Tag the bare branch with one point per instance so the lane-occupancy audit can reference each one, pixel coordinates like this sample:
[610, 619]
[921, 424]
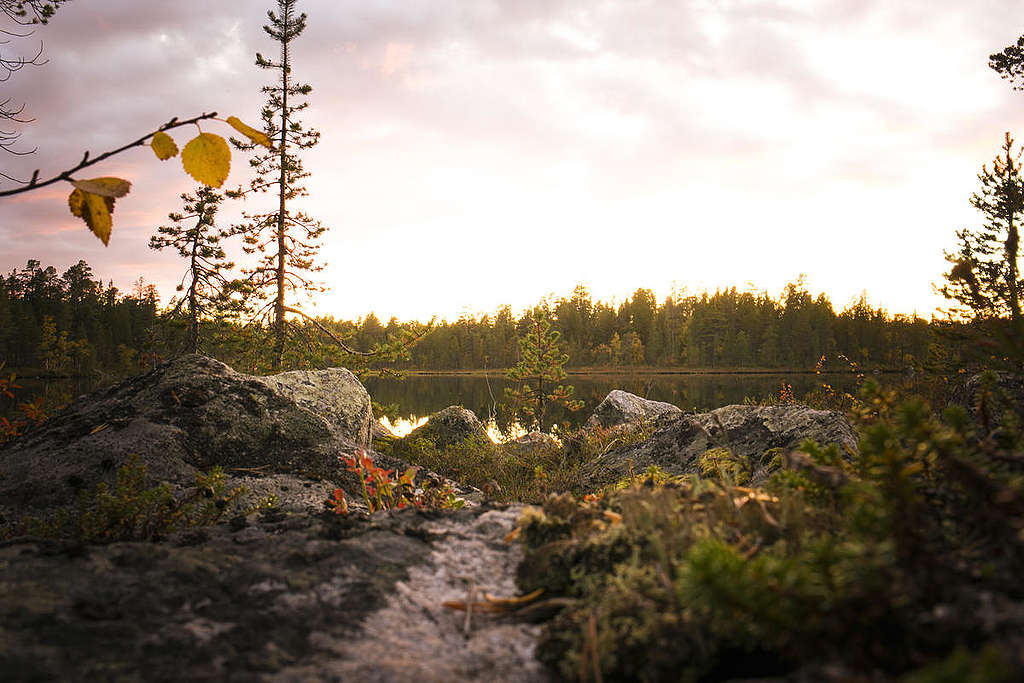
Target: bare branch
[86, 161]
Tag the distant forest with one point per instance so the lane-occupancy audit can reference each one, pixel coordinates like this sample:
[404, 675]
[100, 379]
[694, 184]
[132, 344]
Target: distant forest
[72, 323]
[726, 329]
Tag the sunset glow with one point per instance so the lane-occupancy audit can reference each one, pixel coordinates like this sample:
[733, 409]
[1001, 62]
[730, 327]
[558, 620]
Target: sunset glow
[475, 154]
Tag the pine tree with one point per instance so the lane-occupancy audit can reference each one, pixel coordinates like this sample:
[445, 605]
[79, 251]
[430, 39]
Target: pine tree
[207, 292]
[985, 278]
[540, 368]
[285, 239]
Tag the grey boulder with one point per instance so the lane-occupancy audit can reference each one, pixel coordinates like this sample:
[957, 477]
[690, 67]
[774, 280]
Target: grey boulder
[279, 435]
[449, 427]
[623, 408]
[296, 598]
[748, 431]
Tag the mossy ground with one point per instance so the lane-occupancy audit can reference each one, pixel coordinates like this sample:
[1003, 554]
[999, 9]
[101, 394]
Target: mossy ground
[519, 475]
[902, 563]
[132, 510]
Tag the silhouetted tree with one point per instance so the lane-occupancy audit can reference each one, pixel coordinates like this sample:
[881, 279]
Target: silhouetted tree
[284, 239]
[538, 372]
[985, 278]
[207, 292]
[1010, 63]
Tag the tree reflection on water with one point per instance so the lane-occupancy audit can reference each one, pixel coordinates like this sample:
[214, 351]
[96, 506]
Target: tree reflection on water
[418, 396]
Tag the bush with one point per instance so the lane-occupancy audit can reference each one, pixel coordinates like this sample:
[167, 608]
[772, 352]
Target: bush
[131, 511]
[916, 542]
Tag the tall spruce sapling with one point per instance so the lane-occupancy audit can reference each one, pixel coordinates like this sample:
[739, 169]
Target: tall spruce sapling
[285, 240]
[207, 291]
[538, 373]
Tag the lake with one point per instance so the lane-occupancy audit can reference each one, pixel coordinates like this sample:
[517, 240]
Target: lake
[417, 396]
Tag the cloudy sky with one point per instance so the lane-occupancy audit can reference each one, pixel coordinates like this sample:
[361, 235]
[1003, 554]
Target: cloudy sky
[481, 152]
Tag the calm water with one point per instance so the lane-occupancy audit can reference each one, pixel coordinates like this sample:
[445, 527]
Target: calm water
[418, 396]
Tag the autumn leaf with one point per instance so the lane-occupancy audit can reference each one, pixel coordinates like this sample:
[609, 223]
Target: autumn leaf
[251, 133]
[104, 187]
[514, 601]
[95, 210]
[207, 159]
[478, 607]
[163, 146]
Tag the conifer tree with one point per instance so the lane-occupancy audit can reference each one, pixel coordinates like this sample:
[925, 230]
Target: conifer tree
[207, 292]
[538, 372]
[985, 278]
[285, 240]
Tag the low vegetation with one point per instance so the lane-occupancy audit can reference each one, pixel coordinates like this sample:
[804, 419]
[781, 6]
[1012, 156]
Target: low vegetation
[507, 473]
[902, 561]
[384, 489]
[131, 510]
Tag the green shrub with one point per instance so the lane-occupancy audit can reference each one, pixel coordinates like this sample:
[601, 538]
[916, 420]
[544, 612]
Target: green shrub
[888, 563]
[503, 475]
[133, 511]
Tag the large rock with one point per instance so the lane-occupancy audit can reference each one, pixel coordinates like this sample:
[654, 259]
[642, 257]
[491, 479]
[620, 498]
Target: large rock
[334, 394]
[279, 435]
[1004, 391]
[748, 431]
[299, 598]
[449, 427]
[623, 408]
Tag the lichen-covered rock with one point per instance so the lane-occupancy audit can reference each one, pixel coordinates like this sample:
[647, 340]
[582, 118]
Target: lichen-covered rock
[748, 431]
[284, 598]
[189, 415]
[623, 408]
[449, 427]
[334, 394]
[1002, 391]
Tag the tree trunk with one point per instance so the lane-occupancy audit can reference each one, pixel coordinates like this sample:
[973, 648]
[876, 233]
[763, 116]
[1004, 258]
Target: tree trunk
[279, 309]
[1012, 247]
[193, 304]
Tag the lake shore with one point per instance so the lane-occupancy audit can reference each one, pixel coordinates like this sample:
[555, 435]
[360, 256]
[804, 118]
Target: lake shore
[627, 371]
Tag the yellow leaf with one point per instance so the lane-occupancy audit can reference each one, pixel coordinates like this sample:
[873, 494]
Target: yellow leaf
[163, 146]
[513, 535]
[95, 210]
[207, 159]
[104, 187]
[251, 133]
[513, 602]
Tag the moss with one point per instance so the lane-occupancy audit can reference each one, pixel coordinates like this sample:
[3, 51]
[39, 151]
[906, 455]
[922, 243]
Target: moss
[131, 510]
[722, 463]
[963, 666]
[502, 475]
[916, 541]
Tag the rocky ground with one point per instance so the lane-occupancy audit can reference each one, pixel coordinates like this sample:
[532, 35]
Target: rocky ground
[294, 592]
[284, 598]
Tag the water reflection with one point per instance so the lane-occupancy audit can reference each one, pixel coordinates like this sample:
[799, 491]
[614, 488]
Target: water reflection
[401, 426]
[418, 396]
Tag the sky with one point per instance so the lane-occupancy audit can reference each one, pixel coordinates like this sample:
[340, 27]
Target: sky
[476, 153]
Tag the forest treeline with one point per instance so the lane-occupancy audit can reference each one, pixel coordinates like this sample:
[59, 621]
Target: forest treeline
[724, 329]
[71, 323]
